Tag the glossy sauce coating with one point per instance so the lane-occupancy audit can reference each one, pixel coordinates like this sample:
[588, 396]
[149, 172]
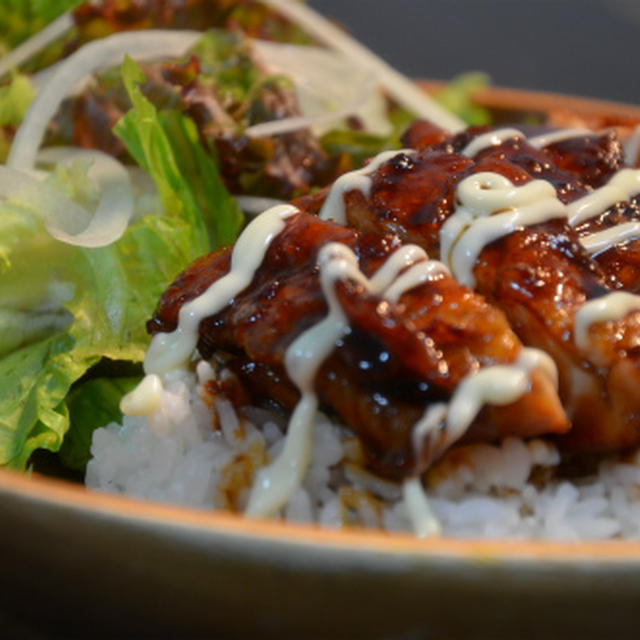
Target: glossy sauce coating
[396, 359]
[539, 275]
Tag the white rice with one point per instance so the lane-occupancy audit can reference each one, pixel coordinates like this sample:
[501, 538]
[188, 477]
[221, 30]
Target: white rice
[197, 451]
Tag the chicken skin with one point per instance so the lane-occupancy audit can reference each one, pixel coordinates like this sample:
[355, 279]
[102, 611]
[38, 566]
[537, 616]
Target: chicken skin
[541, 274]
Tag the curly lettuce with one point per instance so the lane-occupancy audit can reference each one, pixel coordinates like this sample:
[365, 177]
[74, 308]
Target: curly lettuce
[64, 309]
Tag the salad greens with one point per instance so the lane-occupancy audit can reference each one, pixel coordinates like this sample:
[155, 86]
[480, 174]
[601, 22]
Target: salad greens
[226, 64]
[166, 146]
[115, 289]
[361, 145]
[457, 97]
[15, 99]
[107, 294]
[93, 402]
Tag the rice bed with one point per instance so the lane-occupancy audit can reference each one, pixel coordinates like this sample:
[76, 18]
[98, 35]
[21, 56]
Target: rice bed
[196, 450]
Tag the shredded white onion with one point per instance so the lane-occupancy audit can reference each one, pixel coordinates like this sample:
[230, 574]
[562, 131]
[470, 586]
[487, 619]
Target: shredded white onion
[286, 125]
[398, 86]
[116, 205]
[329, 87]
[92, 57]
[36, 43]
[65, 219]
[28, 191]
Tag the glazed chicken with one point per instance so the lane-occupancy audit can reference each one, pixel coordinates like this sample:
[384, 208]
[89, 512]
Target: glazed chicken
[539, 273]
[401, 354]
[575, 167]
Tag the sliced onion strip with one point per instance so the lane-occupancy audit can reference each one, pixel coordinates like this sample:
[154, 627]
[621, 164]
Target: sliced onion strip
[65, 219]
[295, 123]
[329, 87]
[36, 43]
[116, 205]
[632, 147]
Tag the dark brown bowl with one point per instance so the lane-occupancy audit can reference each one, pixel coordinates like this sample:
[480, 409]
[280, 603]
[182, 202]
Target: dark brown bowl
[111, 566]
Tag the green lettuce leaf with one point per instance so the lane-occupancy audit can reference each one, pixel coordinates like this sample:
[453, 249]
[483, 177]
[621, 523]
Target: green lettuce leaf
[361, 145]
[226, 64]
[92, 404]
[457, 96]
[107, 293]
[34, 381]
[65, 310]
[15, 99]
[32, 291]
[166, 145]
[220, 212]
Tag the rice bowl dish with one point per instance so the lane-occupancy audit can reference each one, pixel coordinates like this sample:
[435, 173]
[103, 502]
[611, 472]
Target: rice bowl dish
[529, 538]
[526, 461]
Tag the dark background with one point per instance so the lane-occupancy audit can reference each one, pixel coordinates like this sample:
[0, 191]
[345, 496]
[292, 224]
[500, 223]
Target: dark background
[581, 47]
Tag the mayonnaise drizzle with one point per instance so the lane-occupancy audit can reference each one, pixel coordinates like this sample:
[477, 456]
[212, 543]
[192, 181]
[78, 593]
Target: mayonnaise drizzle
[172, 350]
[612, 306]
[490, 139]
[552, 137]
[497, 385]
[490, 207]
[442, 424]
[434, 418]
[499, 136]
[600, 241]
[333, 207]
[424, 523]
[405, 269]
[144, 399]
[414, 276]
[624, 184]
[275, 483]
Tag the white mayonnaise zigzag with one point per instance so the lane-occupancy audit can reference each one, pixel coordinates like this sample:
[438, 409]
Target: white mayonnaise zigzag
[622, 186]
[170, 351]
[406, 269]
[490, 206]
[333, 207]
[465, 234]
